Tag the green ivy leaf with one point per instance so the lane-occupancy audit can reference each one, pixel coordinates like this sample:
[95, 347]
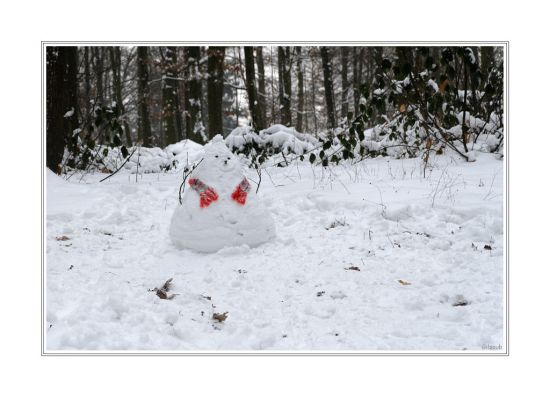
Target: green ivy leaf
[346, 154]
[312, 158]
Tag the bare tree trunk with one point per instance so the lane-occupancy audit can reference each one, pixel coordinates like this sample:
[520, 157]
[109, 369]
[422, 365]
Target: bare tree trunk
[474, 79]
[261, 84]
[329, 93]
[378, 57]
[215, 90]
[405, 61]
[87, 84]
[487, 59]
[193, 119]
[98, 70]
[115, 57]
[300, 75]
[313, 92]
[273, 112]
[358, 55]
[285, 85]
[144, 123]
[464, 107]
[355, 80]
[344, 57]
[436, 54]
[170, 97]
[253, 105]
[61, 102]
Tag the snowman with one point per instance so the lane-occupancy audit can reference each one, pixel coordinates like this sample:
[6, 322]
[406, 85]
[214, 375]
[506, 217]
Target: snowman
[218, 208]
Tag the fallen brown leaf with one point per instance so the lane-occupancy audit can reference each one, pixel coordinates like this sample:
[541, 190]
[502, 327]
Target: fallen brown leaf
[429, 143]
[163, 295]
[403, 282]
[162, 292]
[62, 238]
[220, 317]
[352, 268]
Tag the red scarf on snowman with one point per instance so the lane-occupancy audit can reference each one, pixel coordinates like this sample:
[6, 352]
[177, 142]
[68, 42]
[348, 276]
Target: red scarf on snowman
[209, 195]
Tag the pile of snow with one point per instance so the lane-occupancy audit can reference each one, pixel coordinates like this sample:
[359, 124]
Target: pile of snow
[219, 207]
[185, 152]
[278, 137]
[240, 136]
[478, 124]
[155, 159]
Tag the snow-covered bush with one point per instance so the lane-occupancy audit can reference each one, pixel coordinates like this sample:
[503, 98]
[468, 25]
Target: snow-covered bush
[274, 139]
[416, 115]
[143, 159]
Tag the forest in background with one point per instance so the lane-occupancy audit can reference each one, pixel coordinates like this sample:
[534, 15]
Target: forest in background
[421, 98]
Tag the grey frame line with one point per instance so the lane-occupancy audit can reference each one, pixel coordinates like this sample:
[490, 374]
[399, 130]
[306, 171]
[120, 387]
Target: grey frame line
[506, 353]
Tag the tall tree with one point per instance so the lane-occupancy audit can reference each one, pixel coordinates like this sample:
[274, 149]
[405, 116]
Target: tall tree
[285, 85]
[261, 84]
[250, 82]
[405, 61]
[193, 103]
[115, 58]
[358, 57]
[329, 91]
[171, 117]
[87, 83]
[313, 94]
[216, 57]
[272, 86]
[487, 59]
[344, 53]
[61, 102]
[98, 71]
[144, 123]
[300, 76]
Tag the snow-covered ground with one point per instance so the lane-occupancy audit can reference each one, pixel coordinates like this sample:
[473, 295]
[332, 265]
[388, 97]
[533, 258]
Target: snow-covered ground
[367, 257]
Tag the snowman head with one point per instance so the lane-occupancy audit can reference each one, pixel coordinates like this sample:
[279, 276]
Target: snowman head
[218, 158]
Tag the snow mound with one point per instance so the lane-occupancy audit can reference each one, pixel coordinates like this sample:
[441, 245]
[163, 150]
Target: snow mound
[155, 159]
[277, 137]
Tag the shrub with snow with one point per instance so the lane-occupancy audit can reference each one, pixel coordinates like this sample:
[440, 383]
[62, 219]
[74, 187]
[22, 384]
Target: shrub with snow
[275, 139]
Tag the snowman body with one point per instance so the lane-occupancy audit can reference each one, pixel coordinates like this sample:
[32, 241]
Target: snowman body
[219, 207]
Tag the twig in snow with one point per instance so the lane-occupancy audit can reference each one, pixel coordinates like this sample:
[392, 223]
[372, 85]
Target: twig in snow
[119, 168]
[186, 173]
